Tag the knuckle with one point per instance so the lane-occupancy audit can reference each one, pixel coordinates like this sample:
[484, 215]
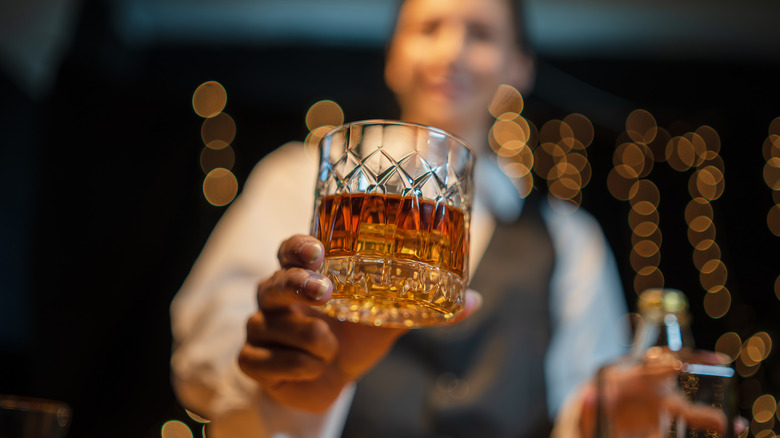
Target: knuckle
[314, 331]
[283, 247]
[255, 326]
[246, 361]
[302, 365]
[295, 278]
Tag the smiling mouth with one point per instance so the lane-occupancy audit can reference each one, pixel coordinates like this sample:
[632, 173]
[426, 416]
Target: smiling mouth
[448, 89]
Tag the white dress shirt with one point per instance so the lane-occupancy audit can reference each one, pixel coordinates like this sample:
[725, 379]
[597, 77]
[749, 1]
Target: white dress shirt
[210, 311]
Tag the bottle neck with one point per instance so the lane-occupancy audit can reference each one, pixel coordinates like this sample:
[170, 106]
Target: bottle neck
[667, 330]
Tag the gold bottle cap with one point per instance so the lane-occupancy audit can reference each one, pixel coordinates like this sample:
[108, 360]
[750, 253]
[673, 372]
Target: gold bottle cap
[663, 300]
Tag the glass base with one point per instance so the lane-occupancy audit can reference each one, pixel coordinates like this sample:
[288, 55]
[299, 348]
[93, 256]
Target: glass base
[392, 293]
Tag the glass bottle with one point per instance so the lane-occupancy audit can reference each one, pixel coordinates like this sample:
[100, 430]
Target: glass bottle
[664, 379]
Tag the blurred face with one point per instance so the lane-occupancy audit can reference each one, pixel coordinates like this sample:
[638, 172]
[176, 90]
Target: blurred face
[448, 57]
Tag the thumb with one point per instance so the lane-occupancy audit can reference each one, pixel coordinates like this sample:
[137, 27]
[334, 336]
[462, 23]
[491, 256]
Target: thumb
[472, 303]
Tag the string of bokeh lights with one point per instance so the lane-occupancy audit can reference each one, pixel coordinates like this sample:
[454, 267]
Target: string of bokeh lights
[771, 152]
[218, 130]
[556, 153]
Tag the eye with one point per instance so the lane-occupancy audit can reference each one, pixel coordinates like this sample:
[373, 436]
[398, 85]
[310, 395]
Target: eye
[482, 32]
[428, 27]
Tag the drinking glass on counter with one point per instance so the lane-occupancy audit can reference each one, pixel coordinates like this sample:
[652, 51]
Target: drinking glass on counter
[392, 208]
[28, 417]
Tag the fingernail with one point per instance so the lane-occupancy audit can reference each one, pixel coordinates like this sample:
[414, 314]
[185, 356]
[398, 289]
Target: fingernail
[321, 284]
[310, 252]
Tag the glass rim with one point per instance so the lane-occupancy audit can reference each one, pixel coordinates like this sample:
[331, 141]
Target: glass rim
[32, 404]
[374, 122]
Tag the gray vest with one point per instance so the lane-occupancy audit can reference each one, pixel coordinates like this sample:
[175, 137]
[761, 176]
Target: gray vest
[483, 377]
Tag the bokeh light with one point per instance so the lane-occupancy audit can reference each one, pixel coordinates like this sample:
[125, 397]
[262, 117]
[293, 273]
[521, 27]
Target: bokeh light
[700, 223]
[713, 275]
[745, 369]
[564, 181]
[771, 146]
[639, 262]
[711, 140]
[175, 429]
[512, 137]
[729, 344]
[645, 191]
[209, 99]
[680, 154]
[219, 130]
[764, 408]
[507, 100]
[641, 126]
[704, 252]
[696, 208]
[220, 187]
[546, 156]
[646, 229]
[553, 131]
[697, 237]
[620, 180]
[562, 159]
[196, 417]
[709, 183]
[699, 148]
[635, 156]
[516, 170]
[211, 159]
[774, 126]
[642, 207]
[761, 343]
[312, 140]
[581, 127]
[634, 218]
[648, 278]
[717, 303]
[744, 357]
[777, 287]
[773, 220]
[646, 248]
[507, 131]
[772, 173]
[324, 113]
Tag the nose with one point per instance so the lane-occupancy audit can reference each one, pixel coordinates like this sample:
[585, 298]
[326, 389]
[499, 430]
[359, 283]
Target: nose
[450, 44]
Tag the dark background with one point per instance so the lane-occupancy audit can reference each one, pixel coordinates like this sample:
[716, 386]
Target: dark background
[103, 212]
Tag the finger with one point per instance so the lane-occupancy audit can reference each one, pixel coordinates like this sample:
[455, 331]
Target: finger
[711, 358]
[740, 425]
[270, 366]
[301, 251]
[288, 286]
[472, 303]
[311, 335]
[695, 415]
